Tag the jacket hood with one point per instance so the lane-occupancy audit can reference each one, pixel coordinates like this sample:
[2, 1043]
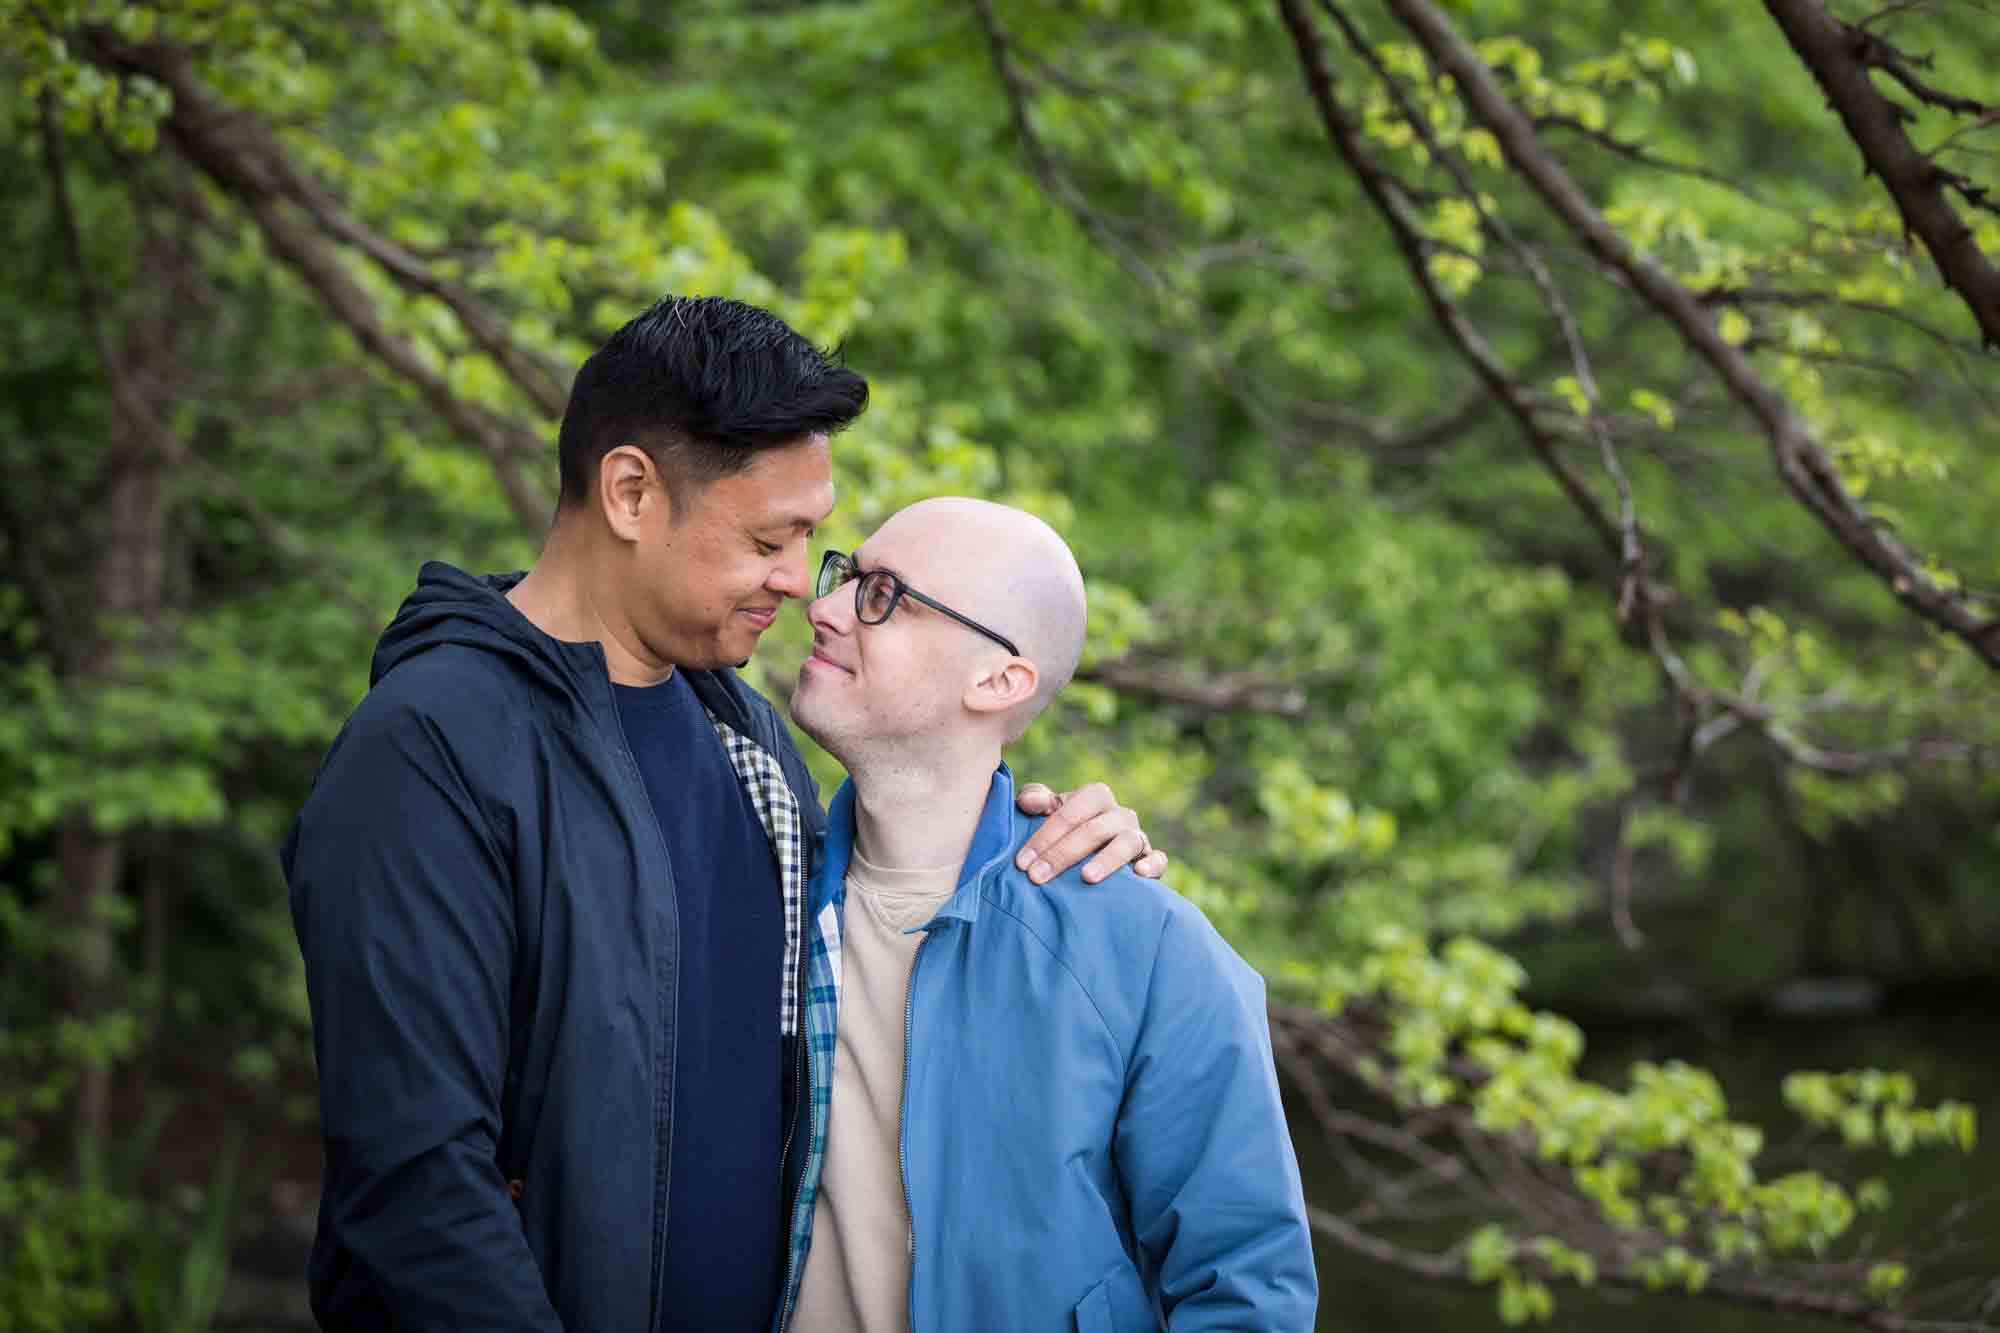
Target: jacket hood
[450, 606]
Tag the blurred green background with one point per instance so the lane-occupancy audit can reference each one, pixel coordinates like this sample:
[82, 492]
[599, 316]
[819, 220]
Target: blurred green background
[1579, 792]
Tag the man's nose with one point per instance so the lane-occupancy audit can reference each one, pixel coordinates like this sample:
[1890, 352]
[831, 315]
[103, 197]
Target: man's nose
[830, 614]
[789, 577]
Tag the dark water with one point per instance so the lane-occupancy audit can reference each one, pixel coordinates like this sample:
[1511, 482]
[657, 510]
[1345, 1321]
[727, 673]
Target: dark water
[1953, 1050]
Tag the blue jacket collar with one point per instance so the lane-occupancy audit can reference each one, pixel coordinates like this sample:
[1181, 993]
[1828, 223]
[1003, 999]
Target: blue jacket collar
[992, 847]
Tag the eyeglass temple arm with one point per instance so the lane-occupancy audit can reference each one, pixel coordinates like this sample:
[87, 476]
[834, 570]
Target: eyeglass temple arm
[966, 621]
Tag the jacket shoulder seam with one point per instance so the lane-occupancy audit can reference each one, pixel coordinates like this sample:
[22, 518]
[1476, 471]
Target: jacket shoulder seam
[1060, 961]
[490, 782]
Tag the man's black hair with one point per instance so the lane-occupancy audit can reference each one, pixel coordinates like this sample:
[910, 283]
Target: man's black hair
[702, 384]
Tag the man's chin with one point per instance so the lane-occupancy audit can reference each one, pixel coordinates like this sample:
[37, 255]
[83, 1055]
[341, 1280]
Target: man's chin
[802, 709]
[718, 656]
[733, 648]
[806, 712]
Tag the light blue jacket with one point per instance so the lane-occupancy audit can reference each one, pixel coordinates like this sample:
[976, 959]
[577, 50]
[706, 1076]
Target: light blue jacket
[1092, 1137]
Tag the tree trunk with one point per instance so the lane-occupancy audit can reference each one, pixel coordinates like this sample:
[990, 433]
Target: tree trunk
[92, 864]
[128, 581]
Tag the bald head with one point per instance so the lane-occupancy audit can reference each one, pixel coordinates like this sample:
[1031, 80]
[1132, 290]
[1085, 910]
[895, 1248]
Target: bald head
[1020, 574]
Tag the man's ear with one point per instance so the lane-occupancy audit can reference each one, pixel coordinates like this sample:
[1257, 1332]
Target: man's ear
[1002, 685]
[628, 485]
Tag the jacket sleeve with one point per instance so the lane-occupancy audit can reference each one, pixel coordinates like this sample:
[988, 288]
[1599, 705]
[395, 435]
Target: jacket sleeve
[1202, 1147]
[403, 904]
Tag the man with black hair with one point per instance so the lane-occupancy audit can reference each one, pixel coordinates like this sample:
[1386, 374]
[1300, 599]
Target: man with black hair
[549, 882]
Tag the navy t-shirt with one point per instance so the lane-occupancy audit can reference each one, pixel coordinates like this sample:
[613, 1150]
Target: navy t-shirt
[724, 1232]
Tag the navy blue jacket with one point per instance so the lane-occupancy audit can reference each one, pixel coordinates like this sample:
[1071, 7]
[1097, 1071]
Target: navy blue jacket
[486, 911]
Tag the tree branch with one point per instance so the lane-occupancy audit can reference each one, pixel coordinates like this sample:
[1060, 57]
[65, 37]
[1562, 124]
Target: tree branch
[1839, 56]
[1754, 1293]
[153, 437]
[157, 438]
[245, 159]
[544, 383]
[1634, 593]
[1639, 603]
[1054, 181]
[1392, 202]
[1228, 692]
[1803, 463]
[1634, 151]
[1879, 53]
[1510, 1186]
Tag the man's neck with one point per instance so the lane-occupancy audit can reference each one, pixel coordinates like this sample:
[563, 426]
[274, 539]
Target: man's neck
[919, 813]
[558, 597]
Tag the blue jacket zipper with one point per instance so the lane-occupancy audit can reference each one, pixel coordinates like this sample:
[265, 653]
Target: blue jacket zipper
[802, 1110]
[903, 1128]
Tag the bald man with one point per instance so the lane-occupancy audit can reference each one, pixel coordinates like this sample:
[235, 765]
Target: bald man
[1047, 1110]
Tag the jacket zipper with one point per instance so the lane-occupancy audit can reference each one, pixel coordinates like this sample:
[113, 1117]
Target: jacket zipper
[802, 1086]
[800, 1100]
[662, 1181]
[903, 1129]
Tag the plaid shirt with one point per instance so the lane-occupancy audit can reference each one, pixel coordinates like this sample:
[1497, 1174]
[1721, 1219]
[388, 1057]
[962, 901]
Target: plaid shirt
[822, 1004]
[778, 810]
[757, 769]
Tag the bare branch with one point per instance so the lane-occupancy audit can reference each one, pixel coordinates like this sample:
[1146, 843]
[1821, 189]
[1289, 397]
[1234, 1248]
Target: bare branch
[506, 443]
[1054, 180]
[545, 383]
[1890, 11]
[1802, 461]
[153, 438]
[1633, 590]
[1966, 355]
[245, 159]
[256, 147]
[1640, 604]
[1394, 441]
[1880, 53]
[1634, 151]
[1228, 692]
[156, 437]
[1391, 200]
[1840, 56]
[1622, 856]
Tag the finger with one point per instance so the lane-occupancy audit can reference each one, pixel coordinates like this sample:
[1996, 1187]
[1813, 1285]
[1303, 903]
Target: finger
[1118, 852]
[1153, 865]
[1035, 798]
[1072, 810]
[1115, 829]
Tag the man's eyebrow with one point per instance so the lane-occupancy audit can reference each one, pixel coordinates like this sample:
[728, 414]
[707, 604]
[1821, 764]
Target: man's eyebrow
[800, 522]
[795, 523]
[896, 574]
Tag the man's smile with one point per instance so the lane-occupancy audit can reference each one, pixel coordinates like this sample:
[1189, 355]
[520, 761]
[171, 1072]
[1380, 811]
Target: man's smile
[820, 660]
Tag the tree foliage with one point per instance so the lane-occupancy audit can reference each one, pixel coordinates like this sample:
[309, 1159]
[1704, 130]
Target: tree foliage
[1529, 477]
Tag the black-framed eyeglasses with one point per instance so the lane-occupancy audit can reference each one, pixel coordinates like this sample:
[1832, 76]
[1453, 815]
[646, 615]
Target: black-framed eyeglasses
[876, 592]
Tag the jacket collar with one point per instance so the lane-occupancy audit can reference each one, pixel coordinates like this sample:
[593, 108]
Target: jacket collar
[448, 598]
[992, 846]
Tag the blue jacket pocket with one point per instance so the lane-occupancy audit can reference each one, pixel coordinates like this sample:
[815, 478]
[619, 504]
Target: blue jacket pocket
[1117, 1304]
[1093, 1312]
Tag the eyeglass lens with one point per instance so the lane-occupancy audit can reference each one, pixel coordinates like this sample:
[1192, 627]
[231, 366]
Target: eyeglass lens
[878, 597]
[834, 570]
